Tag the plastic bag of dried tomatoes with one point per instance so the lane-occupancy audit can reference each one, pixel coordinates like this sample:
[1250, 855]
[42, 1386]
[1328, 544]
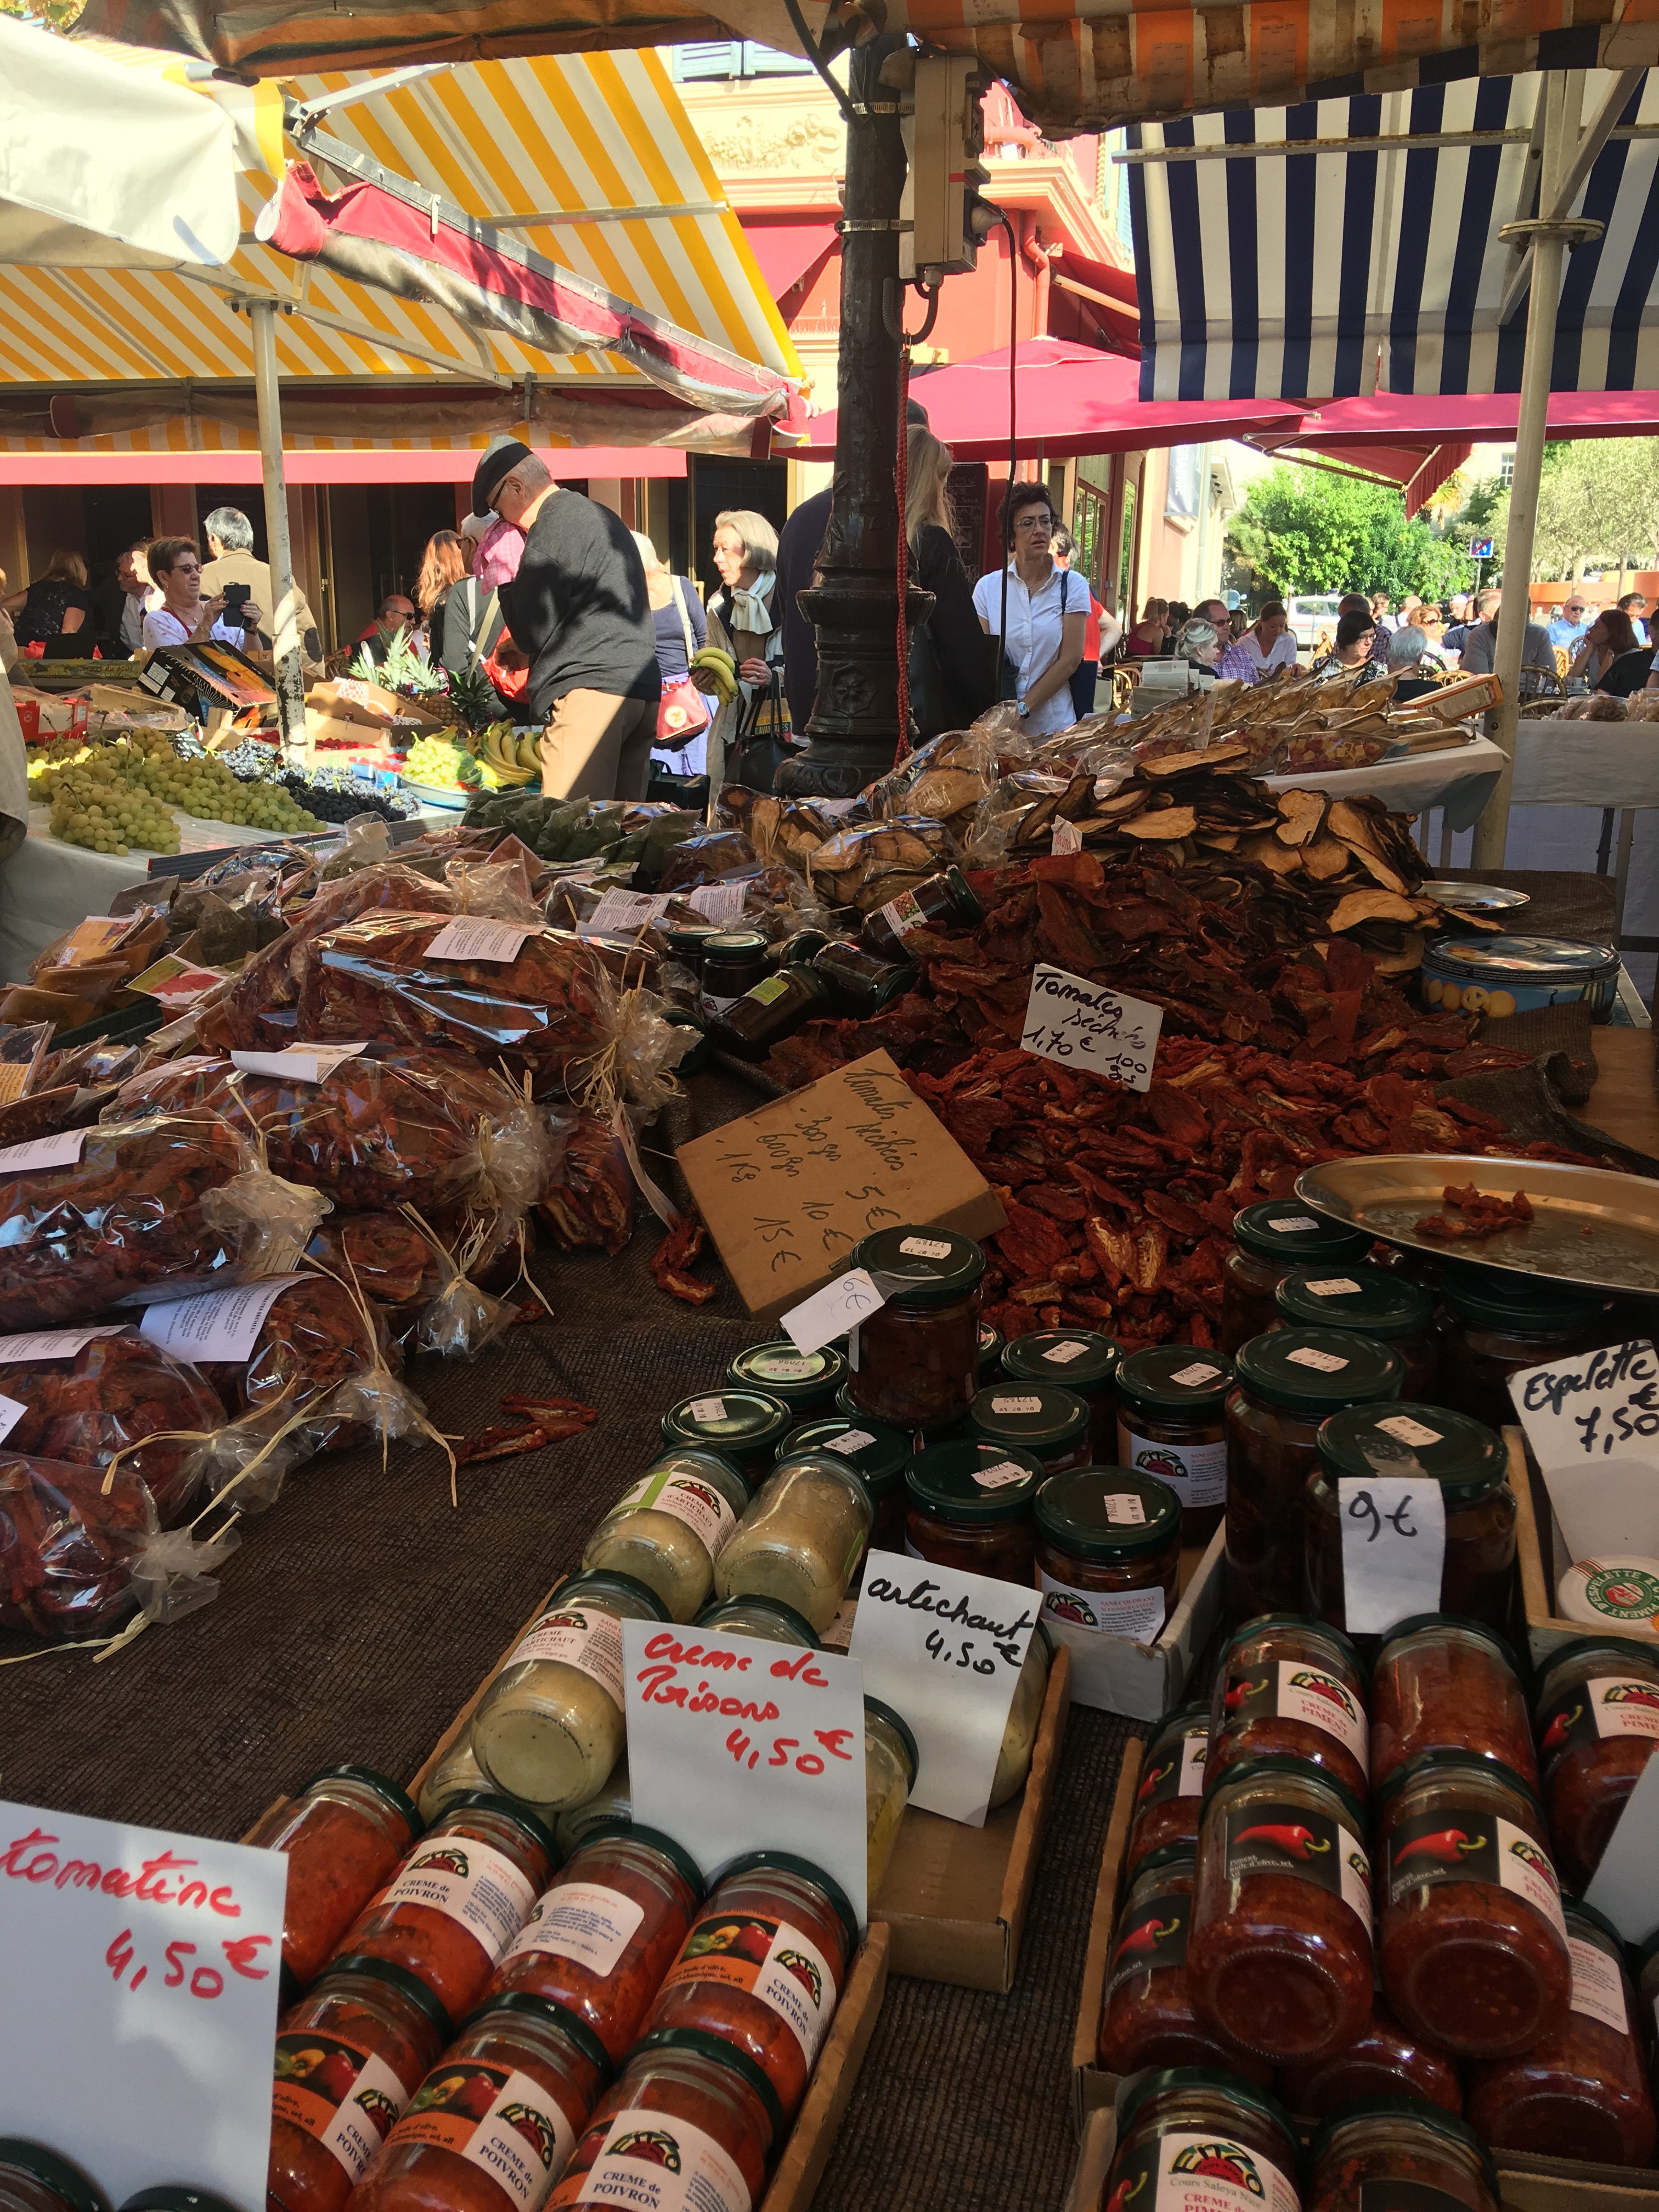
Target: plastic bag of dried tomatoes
[588, 1200]
[77, 1558]
[316, 1335]
[85, 1404]
[432, 1283]
[132, 1206]
[383, 1129]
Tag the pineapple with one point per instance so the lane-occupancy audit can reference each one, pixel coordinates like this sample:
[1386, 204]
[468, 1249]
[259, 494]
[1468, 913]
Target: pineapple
[471, 697]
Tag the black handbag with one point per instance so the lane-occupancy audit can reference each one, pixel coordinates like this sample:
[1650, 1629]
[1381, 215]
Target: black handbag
[1009, 687]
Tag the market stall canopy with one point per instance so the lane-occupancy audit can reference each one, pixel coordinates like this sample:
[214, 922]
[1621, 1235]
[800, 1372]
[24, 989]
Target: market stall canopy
[1072, 399]
[1376, 264]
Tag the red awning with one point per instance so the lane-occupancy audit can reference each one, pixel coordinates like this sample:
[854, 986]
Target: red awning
[455, 466]
[788, 251]
[1072, 399]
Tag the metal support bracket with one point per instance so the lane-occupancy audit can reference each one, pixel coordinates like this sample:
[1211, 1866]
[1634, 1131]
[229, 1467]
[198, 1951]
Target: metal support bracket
[892, 311]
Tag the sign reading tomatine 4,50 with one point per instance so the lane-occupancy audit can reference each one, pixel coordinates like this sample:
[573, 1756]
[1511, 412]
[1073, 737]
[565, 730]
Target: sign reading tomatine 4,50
[1085, 1026]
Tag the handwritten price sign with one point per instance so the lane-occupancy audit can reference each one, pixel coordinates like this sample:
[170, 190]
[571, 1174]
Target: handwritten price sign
[1593, 1423]
[735, 1745]
[1084, 1025]
[151, 1964]
[1393, 1547]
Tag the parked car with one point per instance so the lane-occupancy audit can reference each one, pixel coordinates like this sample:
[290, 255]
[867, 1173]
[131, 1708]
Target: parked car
[1310, 616]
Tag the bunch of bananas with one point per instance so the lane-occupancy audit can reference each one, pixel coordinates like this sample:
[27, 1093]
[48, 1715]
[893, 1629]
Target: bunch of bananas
[506, 759]
[720, 665]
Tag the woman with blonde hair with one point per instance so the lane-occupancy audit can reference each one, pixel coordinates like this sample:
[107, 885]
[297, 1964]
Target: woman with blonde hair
[952, 670]
[744, 618]
[55, 605]
[1146, 641]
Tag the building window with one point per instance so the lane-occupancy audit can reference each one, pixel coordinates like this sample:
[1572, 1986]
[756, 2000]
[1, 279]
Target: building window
[1506, 468]
[734, 57]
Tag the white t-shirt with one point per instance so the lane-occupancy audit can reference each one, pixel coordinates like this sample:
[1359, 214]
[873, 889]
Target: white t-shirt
[1245, 658]
[1033, 634]
[161, 628]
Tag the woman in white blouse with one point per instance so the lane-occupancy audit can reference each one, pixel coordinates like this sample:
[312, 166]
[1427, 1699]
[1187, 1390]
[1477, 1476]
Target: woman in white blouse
[1048, 611]
[184, 617]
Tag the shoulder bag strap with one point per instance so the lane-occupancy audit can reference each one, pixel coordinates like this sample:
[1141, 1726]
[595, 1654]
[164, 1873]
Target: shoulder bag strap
[491, 608]
[685, 620]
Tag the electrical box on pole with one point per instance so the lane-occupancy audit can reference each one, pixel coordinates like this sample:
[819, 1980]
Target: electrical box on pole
[944, 138]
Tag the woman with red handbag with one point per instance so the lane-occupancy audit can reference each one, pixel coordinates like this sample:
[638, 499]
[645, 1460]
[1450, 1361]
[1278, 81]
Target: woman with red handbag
[680, 628]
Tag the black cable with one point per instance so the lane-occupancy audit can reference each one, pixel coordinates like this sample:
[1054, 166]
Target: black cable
[816, 58]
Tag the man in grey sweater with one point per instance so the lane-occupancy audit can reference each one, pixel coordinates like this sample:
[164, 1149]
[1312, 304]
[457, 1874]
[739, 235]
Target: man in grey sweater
[1480, 642]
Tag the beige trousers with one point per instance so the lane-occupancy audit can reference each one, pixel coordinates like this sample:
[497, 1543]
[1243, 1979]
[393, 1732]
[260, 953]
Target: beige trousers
[598, 746]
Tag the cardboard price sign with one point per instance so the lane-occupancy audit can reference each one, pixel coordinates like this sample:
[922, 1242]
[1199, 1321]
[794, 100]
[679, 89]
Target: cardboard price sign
[151, 1965]
[1592, 1422]
[737, 1745]
[944, 1649]
[1084, 1025]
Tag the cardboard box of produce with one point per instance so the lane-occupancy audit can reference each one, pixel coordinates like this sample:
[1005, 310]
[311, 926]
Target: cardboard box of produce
[349, 699]
[788, 1191]
[1146, 1681]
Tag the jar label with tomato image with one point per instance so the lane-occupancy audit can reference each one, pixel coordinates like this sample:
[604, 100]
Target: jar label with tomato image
[1607, 1705]
[769, 1959]
[1598, 1987]
[1177, 1773]
[577, 1635]
[347, 2099]
[1154, 1937]
[1137, 1614]
[1268, 1838]
[580, 1920]
[654, 2162]
[698, 1504]
[1291, 1690]
[1192, 2172]
[1196, 1472]
[501, 2122]
[1460, 1843]
[471, 1882]
[902, 915]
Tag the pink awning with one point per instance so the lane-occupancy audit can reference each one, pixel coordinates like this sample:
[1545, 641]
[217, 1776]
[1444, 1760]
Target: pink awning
[786, 249]
[452, 466]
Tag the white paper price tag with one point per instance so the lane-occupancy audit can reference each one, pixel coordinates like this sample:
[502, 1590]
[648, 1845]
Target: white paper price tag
[1190, 1378]
[1394, 1545]
[1016, 1405]
[721, 903]
[53, 1343]
[1297, 1223]
[1067, 838]
[151, 1963]
[924, 1248]
[1333, 1286]
[1084, 1025]
[1322, 1363]
[59, 1152]
[944, 1649]
[10, 1413]
[737, 1745]
[1001, 1476]
[849, 1442]
[831, 1312]
[214, 1324]
[1062, 1355]
[1592, 1421]
[1405, 1431]
[302, 1063]
[471, 937]
[623, 914]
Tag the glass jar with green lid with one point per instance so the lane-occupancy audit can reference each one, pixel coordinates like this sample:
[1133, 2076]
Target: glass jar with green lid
[890, 1764]
[548, 1727]
[767, 1619]
[878, 1451]
[1469, 1462]
[1385, 2151]
[1197, 2130]
[806, 1381]
[1171, 1403]
[769, 1012]
[738, 1422]
[862, 984]
[1284, 1384]
[1492, 1323]
[1050, 1423]
[1271, 1240]
[667, 1529]
[1107, 1558]
[801, 1539]
[734, 962]
[800, 947]
[35, 2180]
[990, 1352]
[1378, 1303]
[685, 942]
[944, 902]
[915, 1363]
[1080, 1360]
[970, 1506]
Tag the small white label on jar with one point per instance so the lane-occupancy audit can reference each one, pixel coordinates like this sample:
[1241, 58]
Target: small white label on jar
[1196, 1472]
[1075, 1614]
[1016, 1405]
[1405, 1431]
[1598, 1987]
[473, 937]
[708, 1409]
[1062, 1355]
[654, 2162]
[580, 1920]
[688, 1499]
[1522, 1868]
[924, 1248]
[1298, 1221]
[577, 1635]
[1305, 1356]
[1620, 1706]
[1202, 2173]
[1334, 1286]
[1126, 1511]
[785, 1367]
[1200, 1372]
[850, 1441]
[469, 1882]
[902, 915]
[1310, 1694]
[1195, 1757]
[1001, 1475]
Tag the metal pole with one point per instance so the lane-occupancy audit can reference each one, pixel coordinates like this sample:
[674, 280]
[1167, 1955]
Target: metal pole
[285, 628]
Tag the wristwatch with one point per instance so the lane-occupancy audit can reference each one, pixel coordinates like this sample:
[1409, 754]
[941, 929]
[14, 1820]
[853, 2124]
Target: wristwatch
[1024, 710]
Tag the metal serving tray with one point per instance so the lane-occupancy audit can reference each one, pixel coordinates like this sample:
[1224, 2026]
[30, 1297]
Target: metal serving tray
[1476, 898]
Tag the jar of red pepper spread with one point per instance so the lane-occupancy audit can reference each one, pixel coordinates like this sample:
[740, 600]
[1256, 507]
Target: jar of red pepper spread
[1193, 2139]
[1171, 1423]
[341, 1836]
[915, 1363]
[1472, 1943]
[763, 1966]
[690, 2104]
[458, 1899]
[1277, 1237]
[1286, 1685]
[350, 2056]
[1582, 2093]
[877, 1452]
[1440, 1684]
[1080, 1360]
[493, 2126]
[1040, 1419]
[1491, 1324]
[1385, 2061]
[1280, 1955]
[35, 2180]
[1378, 1302]
[1380, 2156]
[1148, 2019]
[970, 1507]
[1286, 1383]
[1598, 1726]
[1108, 1555]
[805, 1381]
[1171, 1791]
[601, 1939]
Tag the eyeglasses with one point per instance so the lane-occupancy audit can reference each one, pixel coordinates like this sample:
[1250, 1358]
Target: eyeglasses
[1035, 518]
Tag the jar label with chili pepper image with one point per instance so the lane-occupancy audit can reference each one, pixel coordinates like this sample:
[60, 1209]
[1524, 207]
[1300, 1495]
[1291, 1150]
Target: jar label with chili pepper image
[1200, 2173]
[771, 1960]
[1292, 1691]
[1606, 1705]
[1290, 1839]
[1455, 1845]
[591, 1641]
[654, 2162]
[1156, 1938]
[1196, 1472]
[502, 2121]
[580, 1920]
[1135, 1614]
[347, 2099]
[473, 1883]
[1175, 1777]
[1598, 1987]
[698, 1504]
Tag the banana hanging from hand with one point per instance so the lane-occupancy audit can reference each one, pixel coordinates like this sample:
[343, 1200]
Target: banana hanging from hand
[720, 665]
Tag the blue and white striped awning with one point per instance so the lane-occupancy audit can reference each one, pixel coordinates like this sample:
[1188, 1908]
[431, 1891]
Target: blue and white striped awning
[1327, 275]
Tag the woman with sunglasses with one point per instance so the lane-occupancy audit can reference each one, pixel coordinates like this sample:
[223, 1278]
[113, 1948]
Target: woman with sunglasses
[1047, 612]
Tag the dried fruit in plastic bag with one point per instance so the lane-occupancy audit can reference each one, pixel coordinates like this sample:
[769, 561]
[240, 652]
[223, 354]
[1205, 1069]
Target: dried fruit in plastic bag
[866, 867]
[944, 779]
[68, 1551]
[588, 1201]
[315, 1337]
[113, 1393]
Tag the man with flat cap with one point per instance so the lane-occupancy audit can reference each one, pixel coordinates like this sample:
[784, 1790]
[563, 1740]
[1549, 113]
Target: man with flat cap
[579, 611]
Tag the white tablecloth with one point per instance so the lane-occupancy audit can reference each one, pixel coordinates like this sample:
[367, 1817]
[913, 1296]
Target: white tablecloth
[1460, 780]
[1585, 764]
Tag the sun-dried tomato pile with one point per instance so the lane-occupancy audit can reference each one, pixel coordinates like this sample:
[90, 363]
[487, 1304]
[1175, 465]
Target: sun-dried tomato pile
[1475, 1214]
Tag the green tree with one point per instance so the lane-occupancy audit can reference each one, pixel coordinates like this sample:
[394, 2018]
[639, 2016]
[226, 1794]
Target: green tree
[1597, 506]
[1308, 529]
